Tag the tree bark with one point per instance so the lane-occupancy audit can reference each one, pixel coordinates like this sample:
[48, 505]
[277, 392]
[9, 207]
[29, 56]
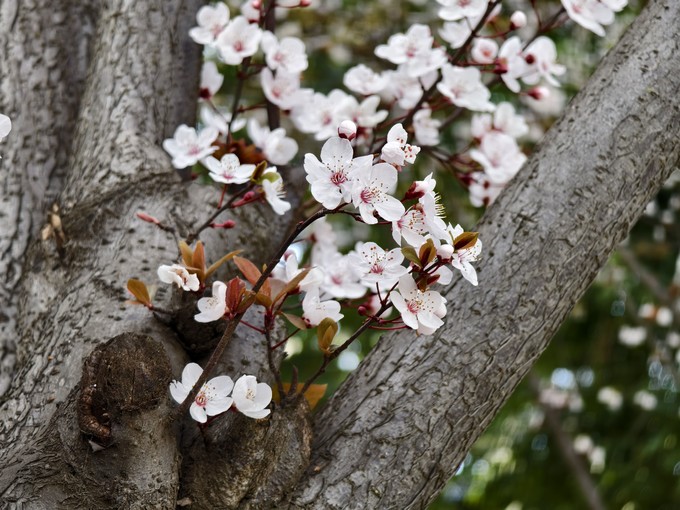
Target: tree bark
[45, 49]
[400, 425]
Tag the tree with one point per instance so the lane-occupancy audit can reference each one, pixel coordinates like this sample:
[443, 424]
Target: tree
[103, 85]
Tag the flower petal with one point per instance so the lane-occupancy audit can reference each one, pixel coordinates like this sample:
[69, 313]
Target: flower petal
[190, 374]
[198, 413]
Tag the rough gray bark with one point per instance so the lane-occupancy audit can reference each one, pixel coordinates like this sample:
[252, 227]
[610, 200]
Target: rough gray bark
[401, 424]
[44, 53]
[143, 82]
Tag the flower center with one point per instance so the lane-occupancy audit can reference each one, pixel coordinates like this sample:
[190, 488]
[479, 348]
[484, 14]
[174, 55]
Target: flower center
[338, 178]
[201, 399]
[250, 394]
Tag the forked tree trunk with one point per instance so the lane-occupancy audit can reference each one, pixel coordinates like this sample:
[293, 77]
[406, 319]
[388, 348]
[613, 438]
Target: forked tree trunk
[402, 422]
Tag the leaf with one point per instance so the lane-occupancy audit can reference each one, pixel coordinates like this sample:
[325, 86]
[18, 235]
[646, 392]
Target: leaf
[198, 259]
[325, 333]
[411, 255]
[248, 269]
[224, 259]
[187, 253]
[313, 395]
[427, 252]
[296, 321]
[293, 284]
[465, 240]
[138, 289]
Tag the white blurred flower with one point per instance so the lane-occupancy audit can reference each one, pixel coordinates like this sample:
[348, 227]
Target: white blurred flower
[288, 54]
[645, 400]
[240, 39]
[363, 80]
[425, 127]
[632, 336]
[610, 397]
[453, 10]
[484, 50]
[211, 80]
[500, 156]
[211, 21]
[275, 145]
[592, 14]
[463, 86]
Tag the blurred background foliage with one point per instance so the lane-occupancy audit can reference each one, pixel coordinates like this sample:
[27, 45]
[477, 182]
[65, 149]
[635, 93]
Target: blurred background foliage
[595, 425]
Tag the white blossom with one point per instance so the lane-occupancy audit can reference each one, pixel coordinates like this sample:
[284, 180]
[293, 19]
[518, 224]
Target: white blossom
[363, 80]
[453, 10]
[214, 307]
[541, 55]
[283, 89]
[484, 50]
[331, 179]
[288, 54]
[240, 39]
[315, 310]
[404, 89]
[463, 86]
[211, 80]
[211, 21]
[500, 156]
[371, 192]
[228, 170]
[213, 399]
[426, 128]
[422, 311]
[272, 185]
[462, 258]
[592, 14]
[396, 151]
[512, 63]
[251, 398]
[504, 119]
[275, 145]
[187, 147]
[378, 266]
[5, 126]
[414, 50]
[178, 275]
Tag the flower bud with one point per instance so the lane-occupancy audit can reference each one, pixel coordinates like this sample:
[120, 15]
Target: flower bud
[148, 218]
[539, 93]
[518, 20]
[347, 129]
[445, 252]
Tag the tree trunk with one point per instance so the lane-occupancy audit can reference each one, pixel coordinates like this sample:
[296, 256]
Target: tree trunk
[400, 425]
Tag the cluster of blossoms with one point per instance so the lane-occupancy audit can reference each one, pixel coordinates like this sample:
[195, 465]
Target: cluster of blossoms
[435, 78]
[220, 394]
